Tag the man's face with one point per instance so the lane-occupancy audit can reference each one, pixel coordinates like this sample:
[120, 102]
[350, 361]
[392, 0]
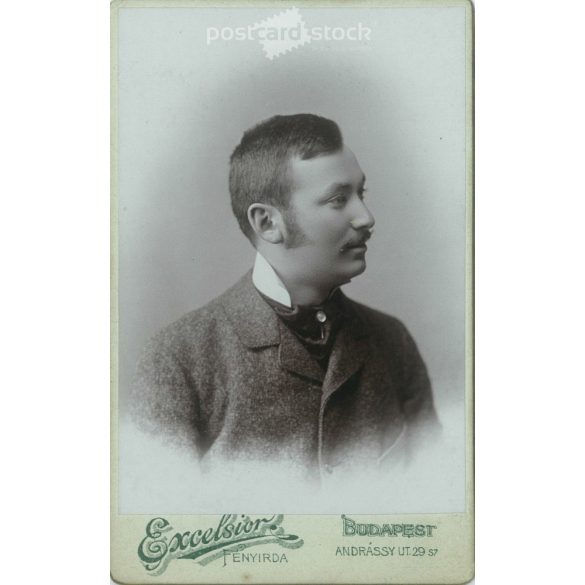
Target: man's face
[327, 222]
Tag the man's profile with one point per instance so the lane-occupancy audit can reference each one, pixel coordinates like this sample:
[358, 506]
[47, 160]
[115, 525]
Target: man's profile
[283, 366]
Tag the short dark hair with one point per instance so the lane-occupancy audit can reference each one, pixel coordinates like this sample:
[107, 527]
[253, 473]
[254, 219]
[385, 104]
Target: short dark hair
[259, 164]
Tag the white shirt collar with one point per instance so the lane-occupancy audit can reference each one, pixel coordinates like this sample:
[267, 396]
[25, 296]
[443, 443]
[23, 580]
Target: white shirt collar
[268, 282]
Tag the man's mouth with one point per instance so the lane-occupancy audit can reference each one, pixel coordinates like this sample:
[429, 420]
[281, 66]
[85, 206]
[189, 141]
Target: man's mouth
[357, 243]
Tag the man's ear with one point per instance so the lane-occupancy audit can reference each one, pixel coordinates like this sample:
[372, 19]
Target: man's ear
[266, 221]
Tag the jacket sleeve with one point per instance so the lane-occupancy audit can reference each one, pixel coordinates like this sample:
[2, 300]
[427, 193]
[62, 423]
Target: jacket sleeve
[163, 395]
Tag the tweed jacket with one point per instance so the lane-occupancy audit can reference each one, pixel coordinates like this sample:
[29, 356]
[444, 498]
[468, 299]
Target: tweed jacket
[231, 381]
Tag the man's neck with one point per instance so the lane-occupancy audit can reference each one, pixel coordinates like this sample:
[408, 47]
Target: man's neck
[306, 295]
[284, 290]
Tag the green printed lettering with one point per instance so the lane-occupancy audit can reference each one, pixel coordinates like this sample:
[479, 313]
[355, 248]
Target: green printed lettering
[348, 526]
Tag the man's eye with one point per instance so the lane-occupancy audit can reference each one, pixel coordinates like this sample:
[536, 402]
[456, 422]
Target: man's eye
[362, 192]
[338, 200]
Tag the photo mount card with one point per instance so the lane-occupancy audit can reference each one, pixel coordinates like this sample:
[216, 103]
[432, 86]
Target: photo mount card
[292, 292]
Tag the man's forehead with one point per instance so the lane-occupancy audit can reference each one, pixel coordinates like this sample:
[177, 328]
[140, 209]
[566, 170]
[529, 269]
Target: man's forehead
[319, 172]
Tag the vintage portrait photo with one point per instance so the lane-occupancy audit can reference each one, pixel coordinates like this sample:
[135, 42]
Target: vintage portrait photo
[293, 258]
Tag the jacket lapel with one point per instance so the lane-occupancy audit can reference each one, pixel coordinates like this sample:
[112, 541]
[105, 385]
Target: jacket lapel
[254, 322]
[295, 358]
[257, 326]
[349, 352]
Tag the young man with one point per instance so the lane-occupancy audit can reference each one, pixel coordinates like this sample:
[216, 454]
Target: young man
[283, 367]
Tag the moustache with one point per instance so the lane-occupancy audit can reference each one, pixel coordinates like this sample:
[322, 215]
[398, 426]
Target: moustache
[358, 240]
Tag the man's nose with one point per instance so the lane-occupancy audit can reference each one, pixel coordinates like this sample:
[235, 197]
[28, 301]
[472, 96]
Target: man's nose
[363, 218]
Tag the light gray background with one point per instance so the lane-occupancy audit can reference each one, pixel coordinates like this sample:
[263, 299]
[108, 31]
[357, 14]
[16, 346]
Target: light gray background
[400, 102]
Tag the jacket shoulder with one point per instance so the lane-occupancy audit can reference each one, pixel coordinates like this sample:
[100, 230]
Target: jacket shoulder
[379, 323]
[198, 332]
[193, 330]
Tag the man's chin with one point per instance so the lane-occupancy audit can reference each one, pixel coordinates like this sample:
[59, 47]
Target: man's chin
[358, 268]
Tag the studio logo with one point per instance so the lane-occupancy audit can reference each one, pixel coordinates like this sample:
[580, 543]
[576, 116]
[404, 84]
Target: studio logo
[233, 533]
[283, 32]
